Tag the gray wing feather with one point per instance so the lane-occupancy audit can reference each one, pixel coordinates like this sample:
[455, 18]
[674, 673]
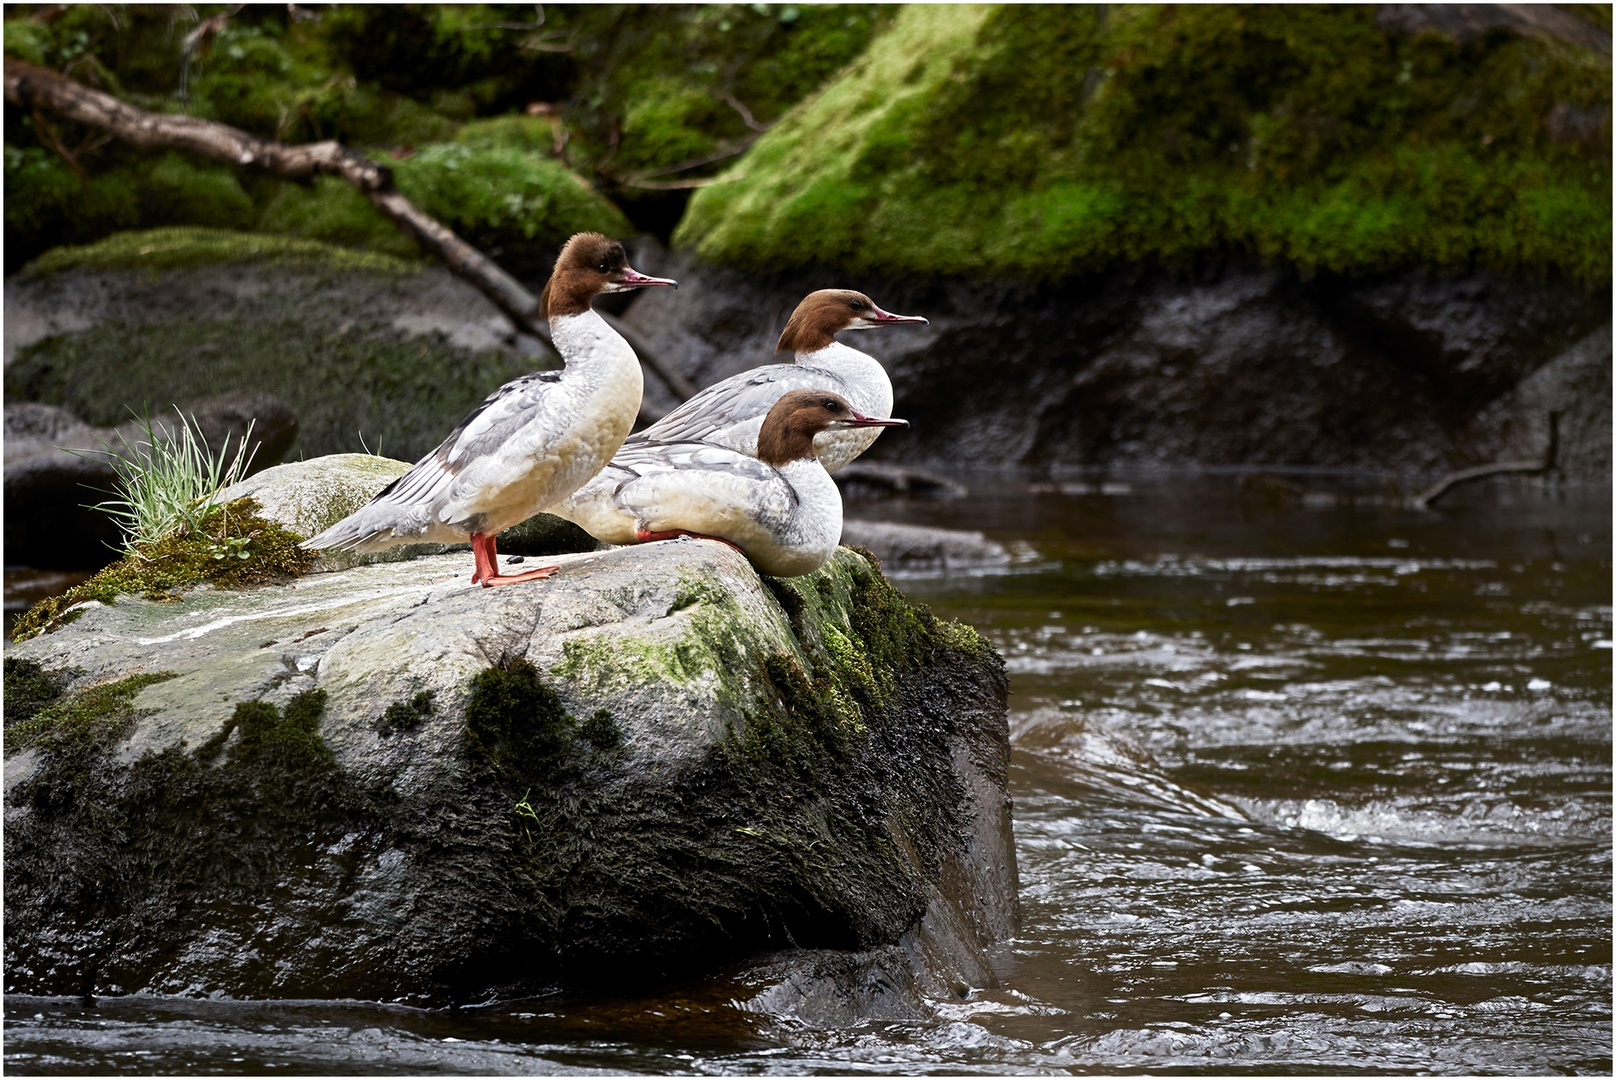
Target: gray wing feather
[407, 506]
[739, 398]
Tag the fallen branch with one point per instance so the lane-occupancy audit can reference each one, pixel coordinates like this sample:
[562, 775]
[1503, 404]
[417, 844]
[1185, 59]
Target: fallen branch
[35, 88]
[1426, 498]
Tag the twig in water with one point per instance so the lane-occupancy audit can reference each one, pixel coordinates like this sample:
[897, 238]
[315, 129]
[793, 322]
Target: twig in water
[1425, 499]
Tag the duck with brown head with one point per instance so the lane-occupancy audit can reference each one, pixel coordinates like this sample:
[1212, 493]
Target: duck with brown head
[731, 412]
[532, 442]
[780, 508]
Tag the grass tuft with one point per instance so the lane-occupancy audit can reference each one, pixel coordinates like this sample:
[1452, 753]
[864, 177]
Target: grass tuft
[172, 482]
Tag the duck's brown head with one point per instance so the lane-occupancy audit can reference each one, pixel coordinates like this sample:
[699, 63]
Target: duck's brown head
[823, 314]
[589, 265]
[789, 429]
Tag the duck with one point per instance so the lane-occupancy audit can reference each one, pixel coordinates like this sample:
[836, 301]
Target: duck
[730, 413]
[532, 442]
[779, 507]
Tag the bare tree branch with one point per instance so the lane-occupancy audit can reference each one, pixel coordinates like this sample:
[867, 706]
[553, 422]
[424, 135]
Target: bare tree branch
[1425, 499]
[35, 88]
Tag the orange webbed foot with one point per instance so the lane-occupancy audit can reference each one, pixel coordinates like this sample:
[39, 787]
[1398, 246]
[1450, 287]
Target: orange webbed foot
[537, 574]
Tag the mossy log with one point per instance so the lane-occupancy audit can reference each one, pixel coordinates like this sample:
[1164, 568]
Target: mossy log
[386, 783]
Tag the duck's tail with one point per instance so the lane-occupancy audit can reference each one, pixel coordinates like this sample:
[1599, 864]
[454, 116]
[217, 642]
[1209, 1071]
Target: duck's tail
[375, 526]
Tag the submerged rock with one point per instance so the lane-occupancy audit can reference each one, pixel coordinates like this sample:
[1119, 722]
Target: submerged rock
[919, 547]
[386, 783]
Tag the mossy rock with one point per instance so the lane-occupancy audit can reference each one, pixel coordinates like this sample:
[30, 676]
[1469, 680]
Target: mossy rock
[1046, 141]
[180, 248]
[645, 767]
[370, 352]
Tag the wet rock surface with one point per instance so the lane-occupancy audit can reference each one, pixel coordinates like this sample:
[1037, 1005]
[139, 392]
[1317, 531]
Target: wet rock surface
[385, 783]
[1241, 366]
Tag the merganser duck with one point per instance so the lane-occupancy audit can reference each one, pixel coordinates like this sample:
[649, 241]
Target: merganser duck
[780, 509]
[730, 412]
[532, 442]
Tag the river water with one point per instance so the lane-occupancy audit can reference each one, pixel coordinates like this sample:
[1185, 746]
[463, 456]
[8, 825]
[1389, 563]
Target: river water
[1304, 782]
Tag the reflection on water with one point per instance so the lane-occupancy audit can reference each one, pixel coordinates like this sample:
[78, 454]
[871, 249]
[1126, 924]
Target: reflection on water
[1304, 786]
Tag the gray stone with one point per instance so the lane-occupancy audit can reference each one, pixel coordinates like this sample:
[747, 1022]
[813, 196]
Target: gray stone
[753, 766]
[922, 548]
[1576, 384]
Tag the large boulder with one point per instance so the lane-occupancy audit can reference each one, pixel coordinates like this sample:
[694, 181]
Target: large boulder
[384, 782]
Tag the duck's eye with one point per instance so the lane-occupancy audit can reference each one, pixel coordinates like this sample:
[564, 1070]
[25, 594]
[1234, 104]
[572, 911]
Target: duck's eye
[603, 267]
[831, 406]
[857, 305]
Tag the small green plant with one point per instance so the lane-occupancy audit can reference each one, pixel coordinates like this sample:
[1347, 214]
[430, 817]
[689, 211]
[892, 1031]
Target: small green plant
[231, 547]
[525, 809]
[171, 483]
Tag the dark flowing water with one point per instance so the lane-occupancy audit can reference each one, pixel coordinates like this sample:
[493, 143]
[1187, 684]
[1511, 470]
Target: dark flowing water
[1302, 783]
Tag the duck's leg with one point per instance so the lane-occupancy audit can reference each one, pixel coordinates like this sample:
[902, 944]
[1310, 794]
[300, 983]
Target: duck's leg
[482, 544]
[644, 536]
[483, 566]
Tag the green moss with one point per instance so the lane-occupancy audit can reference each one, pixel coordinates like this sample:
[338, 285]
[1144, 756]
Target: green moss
[182, 560]
[29, 688]
[238, 821]
[290, 734]
[503, 199]
[48, 205]
[527, 134]
[601, 730]
[653, 80]
[68, 726]
[26, 39]
[514, 720]
[185, 248]
[1042, 141]
[333, 212]
[402, 716]
[716, 651]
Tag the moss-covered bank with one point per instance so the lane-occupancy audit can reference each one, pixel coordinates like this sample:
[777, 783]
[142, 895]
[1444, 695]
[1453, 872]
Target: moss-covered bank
[1045, 140]
[500, 120]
